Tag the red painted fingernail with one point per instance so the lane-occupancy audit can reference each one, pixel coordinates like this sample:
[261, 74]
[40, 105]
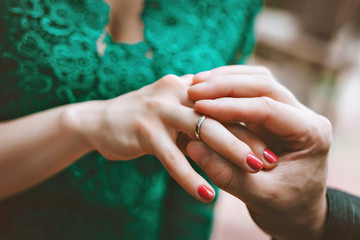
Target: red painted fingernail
[205, 192]
[254, 162]
[270, 156]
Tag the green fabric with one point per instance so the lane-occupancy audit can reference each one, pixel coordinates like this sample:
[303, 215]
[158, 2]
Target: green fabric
[49, 58]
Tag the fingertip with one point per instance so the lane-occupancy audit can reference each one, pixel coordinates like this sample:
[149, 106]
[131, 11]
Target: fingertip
[206, 193]
[270, 159]
[269, 156]
[254, 163]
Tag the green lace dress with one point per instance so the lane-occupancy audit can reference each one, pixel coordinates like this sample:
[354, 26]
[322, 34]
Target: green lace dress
[49, 57]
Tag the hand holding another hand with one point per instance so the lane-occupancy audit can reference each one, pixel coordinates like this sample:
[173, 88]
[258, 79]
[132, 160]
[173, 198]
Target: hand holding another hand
[288, 201]
[157, 119]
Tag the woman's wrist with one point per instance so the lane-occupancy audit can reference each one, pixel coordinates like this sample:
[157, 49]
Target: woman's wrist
[82, 120]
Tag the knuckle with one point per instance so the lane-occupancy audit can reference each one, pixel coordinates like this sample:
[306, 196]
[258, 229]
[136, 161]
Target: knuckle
[266, 105]
[326, 124]
[188, 76]
[268, 86]
[170, 162]
[233, 147]
[173, 82]
[170, 80]
[325, 133]
[266, 102]
[188, 179]
[271, 87]
[318, 134]
[270, 82]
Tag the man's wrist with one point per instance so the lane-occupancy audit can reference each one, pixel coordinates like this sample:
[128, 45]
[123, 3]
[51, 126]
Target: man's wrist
[310, 224]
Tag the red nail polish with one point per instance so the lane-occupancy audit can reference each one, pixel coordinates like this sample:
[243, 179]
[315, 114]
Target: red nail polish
[270, 156]
[205, 192]
[254, 162]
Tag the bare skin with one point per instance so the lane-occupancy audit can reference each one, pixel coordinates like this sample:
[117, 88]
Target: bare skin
[288, 202]
[125, 21]
[146, 121]
[38, 146]
[27, 157]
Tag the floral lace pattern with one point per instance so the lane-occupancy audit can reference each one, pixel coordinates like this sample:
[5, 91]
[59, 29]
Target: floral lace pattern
[49, 57]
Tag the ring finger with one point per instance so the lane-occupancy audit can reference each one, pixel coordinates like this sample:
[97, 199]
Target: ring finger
[216, 136]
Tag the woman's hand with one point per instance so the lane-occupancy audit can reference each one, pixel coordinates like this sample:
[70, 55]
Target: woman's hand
[149, 121]
[288, 201]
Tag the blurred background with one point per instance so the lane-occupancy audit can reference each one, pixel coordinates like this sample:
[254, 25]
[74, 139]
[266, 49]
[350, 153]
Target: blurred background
[313, 48]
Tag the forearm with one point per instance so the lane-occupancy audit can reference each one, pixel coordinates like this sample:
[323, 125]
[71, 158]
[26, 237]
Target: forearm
[35, 147]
